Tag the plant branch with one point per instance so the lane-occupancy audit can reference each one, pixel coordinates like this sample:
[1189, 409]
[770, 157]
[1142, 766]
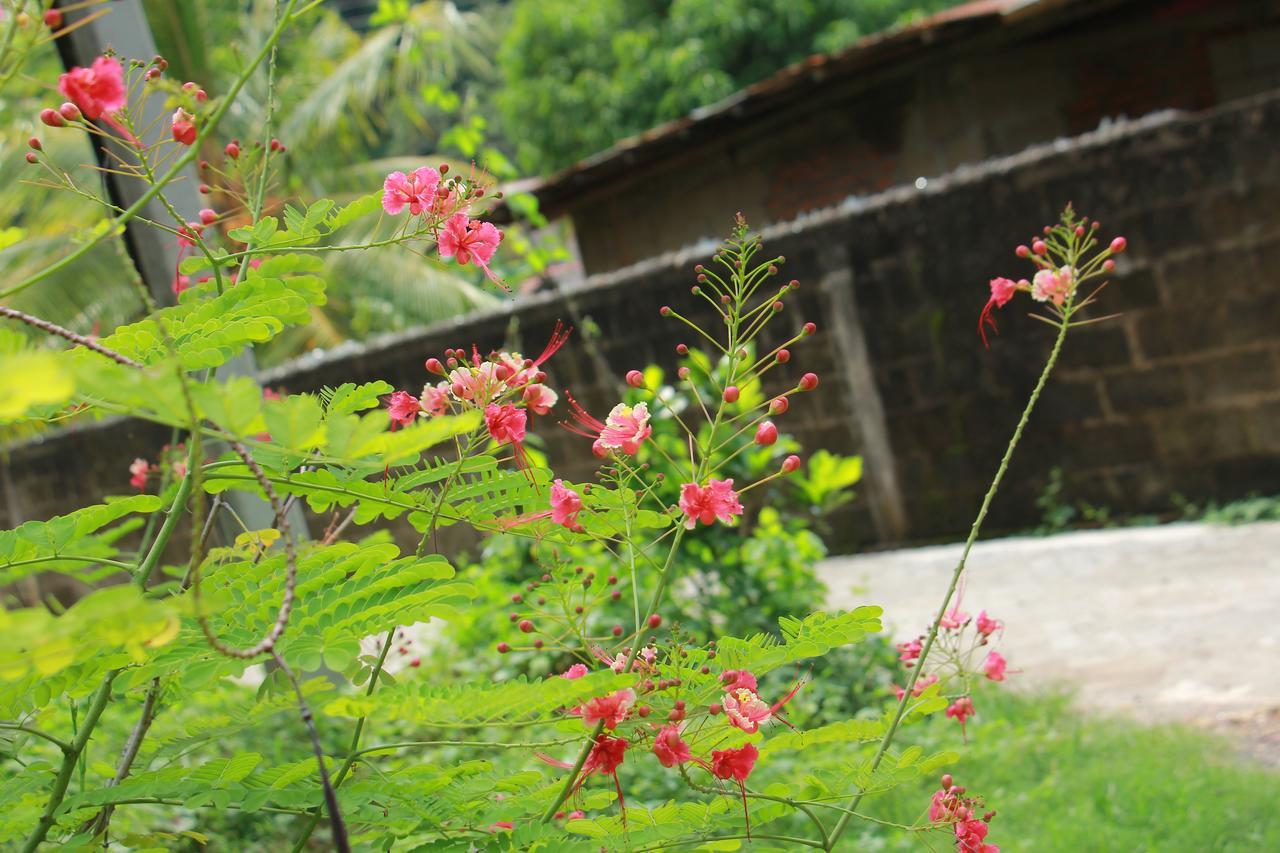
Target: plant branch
[959, 571]
[78, 340]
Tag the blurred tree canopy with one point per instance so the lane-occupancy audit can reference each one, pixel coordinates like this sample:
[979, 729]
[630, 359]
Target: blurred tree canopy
[580, 76]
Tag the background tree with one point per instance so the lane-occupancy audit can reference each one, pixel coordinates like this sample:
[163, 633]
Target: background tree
[580, 76]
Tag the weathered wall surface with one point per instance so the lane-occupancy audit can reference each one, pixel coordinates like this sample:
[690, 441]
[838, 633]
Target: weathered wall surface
[1180, 393]
[991, 95]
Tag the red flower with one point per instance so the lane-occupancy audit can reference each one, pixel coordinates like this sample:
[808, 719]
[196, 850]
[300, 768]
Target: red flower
[1002, 290]
[403, 408]
[184, 127]
[670, 747]
[613, 708]
[97, 90]
[717, 500]
[506, 423]
[736, 764]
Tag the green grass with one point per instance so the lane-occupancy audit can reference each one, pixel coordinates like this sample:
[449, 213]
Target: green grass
[1060, 781]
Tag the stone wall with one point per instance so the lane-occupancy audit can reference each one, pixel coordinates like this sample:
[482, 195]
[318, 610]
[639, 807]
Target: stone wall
[1036, 77]
[1181, 393]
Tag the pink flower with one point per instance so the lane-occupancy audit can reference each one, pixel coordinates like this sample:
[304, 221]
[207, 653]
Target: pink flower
[475, 384]
[403, 408]
[994, 666]
[961, 710]
[970, 835]
[576, 814]
[184, 127]
[625, 428]
[576, 671]
[539, 399]
[735, 764]
[506, 423]
[97, 90]
[953, 619]
[910, 650]
[565, 505]
[612, 709]
[1002, 290]
[416, 190]
[139, 469]
[717, 500]
[943, 806]
[468, 240]
[180, 283]
[745, 710]
[922, 684]
[986, 625]
[435, 399]
[502, 825]
[1049, 285]
[670, 747]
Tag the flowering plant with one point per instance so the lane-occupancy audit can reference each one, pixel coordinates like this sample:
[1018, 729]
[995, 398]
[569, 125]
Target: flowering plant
[516, 764]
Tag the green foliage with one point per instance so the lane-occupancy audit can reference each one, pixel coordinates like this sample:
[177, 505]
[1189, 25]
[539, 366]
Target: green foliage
[1065, 779]
[579, 76]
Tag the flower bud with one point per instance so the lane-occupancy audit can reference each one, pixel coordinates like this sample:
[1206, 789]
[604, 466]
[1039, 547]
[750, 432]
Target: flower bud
[1079, 230]
[183, 125]
[208, 216]
[766, 434]
[635, 379]
[232, 150]
[731, 394]
[791, 463]
[513, 618]
[655, 620]
[433, 365]
[205, 189]
[779, 406]
[682, 349]
[714, 708]
[809, 328]
[34, 143]
[517, 598]
[503, 648]
[1118, 245]
[202, 95]
[783, 356]
[617, 630]
[526, 626]
[32, 158]
[946, 780]
[808, 382]
[1022, 252]
[683, 373]
[776, 306]
[1108, 265]
[53, 19]
[1039, 247]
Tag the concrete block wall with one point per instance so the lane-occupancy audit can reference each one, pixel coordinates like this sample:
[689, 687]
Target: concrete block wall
[1180, 393]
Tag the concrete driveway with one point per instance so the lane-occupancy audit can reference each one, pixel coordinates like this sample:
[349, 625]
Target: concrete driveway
[1178, 622]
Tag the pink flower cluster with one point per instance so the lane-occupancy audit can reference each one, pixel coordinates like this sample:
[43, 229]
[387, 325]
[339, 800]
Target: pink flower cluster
[444, 204]
[951, 807]
[741, 706]
[1059, 254]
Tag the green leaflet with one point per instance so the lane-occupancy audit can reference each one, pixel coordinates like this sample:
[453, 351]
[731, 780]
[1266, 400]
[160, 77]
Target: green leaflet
[473, 704]
[813, 636]
[344, 592]
[209, 332]
[115, 621]
[69, 535]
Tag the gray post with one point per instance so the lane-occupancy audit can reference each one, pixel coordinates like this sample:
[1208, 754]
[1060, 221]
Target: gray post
[888, 512]
[124, 28]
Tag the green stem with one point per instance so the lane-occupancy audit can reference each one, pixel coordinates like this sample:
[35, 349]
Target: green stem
[353, 749]
[19, 727]
[959, 571]
[70, 758]
[143, 575]
[113, 227]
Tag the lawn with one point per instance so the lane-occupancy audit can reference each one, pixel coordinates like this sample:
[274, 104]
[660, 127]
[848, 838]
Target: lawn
[1062, 780]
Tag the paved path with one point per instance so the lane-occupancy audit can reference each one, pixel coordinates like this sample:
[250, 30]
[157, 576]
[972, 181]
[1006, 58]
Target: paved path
[1174, 622]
